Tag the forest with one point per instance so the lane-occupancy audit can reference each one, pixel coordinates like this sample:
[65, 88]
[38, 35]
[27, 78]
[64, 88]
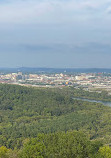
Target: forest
[49, 123]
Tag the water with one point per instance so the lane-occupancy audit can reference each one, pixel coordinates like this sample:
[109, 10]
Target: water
[94, 101]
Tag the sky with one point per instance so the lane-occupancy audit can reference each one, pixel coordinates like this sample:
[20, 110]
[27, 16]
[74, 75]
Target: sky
[55, 33]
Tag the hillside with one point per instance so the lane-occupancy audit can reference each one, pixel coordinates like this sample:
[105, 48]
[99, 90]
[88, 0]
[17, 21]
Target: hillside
[27, 112]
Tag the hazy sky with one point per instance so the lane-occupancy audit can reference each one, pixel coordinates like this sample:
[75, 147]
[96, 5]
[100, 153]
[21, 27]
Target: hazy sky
[55, 33]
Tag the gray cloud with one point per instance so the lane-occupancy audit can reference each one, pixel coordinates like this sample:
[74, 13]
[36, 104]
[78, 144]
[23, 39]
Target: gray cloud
[63, 32]
[59, 48]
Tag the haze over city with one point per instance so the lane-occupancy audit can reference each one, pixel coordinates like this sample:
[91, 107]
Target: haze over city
[55, 33]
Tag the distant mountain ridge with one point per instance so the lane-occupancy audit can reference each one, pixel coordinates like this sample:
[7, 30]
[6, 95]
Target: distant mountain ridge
[56, 70]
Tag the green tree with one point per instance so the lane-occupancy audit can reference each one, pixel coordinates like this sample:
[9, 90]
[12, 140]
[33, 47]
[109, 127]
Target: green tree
[104, 152]
[4, 152]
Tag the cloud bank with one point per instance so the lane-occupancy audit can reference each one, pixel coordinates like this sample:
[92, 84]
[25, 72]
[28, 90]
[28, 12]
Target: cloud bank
[28, 11]
[72, 33]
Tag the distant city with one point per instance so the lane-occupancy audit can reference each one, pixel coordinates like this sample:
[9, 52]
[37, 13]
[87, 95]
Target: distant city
[88, 81]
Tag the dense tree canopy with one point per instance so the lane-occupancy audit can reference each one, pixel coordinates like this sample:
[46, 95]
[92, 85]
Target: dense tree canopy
[28, 114]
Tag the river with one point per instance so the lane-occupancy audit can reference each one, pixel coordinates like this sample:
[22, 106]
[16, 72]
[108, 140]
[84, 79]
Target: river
[94, 101]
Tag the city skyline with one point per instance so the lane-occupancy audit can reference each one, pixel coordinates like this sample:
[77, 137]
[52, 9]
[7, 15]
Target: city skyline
[57, 34]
